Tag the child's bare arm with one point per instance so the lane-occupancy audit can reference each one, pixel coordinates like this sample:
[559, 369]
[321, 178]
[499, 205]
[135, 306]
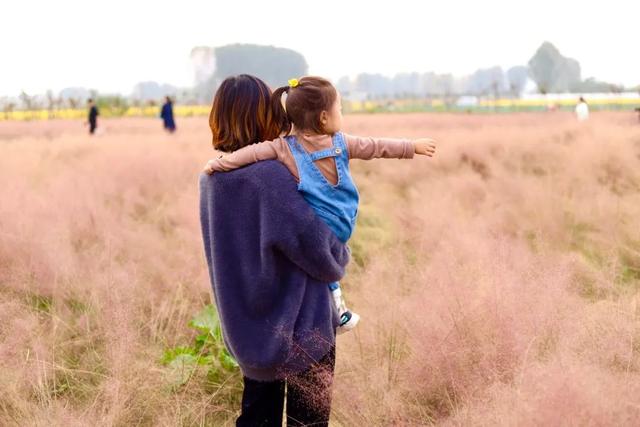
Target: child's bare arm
[366, 148]
[245, 156]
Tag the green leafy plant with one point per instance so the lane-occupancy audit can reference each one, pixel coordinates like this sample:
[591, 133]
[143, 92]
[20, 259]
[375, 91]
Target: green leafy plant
[207, 352]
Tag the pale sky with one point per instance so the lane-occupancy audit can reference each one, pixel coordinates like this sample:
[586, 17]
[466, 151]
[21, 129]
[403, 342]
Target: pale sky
[112, 45]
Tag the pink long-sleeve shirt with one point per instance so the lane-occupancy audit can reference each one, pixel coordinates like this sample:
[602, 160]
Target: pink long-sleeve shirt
[364, 148]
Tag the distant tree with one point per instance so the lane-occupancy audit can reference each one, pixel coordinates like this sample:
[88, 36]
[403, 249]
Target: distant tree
[51, 100]
[376, 86]
[52, 103]
[74, 103]
[517, 79]
[459, 84]
[553, 72]
[428, 83]
[186, 96]
[594, 86]
[344, 85]
[77, 93]
[116, 104]
[150, 90]
[403, 85]
[274, 65]
[487, 81]
[407, 85]
[440, 85]
[614, 88]
[28, 101]
[7, 107]
[145, 91]
[4, 101]
[444, 84]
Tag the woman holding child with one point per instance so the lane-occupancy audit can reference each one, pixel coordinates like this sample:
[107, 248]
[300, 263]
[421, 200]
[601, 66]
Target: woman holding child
[275, 236]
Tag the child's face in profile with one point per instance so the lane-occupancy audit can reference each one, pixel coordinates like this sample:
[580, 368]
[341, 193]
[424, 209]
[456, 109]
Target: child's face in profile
[332, 119]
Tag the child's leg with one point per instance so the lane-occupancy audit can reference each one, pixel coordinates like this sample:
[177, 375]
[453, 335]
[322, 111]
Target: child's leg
[348, 319]
[336, 293]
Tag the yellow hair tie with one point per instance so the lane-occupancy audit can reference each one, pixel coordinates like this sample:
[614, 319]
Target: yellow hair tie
[293, 82]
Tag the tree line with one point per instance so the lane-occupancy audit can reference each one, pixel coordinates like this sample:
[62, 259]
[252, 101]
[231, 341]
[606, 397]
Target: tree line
[548, 69]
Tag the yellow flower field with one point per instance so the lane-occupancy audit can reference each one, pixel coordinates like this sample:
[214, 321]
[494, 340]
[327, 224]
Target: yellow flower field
[506, 104]
[79, 113]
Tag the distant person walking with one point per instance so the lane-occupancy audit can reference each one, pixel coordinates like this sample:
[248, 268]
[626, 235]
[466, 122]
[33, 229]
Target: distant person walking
[582, 110]
[92, 119]
[167, 115]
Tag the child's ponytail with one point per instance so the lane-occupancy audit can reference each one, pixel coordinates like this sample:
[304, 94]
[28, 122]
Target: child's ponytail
[280, 116]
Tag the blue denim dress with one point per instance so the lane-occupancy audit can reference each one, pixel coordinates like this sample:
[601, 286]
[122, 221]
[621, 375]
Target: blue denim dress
[336, 204]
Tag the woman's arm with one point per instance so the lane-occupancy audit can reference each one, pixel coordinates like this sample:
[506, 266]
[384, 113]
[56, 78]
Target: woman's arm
[253, 153]
[297, 232]
[367, 148]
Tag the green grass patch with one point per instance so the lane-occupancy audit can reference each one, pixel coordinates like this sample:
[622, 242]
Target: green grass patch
[374, 232]
[39, 303]
[207, 352]
[629, 271]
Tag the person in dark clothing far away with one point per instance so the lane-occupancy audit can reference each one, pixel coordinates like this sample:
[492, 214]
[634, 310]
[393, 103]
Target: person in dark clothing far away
[167, 115]
[92, 120]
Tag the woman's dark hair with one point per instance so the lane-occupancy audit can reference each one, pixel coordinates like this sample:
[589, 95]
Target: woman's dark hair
[241, 113]
[304, 104]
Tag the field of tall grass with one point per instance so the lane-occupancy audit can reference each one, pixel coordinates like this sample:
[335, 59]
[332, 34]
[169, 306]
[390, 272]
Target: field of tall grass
[498, 282]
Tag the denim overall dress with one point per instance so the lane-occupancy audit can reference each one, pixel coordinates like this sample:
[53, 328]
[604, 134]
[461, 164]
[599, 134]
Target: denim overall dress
[336, 204]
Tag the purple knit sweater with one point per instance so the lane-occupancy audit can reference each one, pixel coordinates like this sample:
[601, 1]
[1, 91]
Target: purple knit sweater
[270, 260]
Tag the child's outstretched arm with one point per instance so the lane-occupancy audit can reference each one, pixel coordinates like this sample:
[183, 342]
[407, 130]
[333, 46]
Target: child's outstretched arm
[253, 153]
[367, 148]
[425, 146]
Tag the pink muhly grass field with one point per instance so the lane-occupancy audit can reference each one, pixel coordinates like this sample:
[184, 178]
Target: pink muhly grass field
[497, 283]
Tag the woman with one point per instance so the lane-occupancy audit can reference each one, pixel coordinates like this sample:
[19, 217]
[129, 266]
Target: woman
[270, 260]
[166, 114]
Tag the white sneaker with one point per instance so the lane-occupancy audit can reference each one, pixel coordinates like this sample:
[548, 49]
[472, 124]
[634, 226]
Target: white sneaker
[348, 321]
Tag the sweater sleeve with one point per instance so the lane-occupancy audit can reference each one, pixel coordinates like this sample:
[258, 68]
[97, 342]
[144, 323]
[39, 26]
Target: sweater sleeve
[367, 148]
[298, 233]
[253, 153]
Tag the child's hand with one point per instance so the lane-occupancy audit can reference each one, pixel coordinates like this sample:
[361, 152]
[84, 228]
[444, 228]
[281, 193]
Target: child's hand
[208, 168]
[425, 146]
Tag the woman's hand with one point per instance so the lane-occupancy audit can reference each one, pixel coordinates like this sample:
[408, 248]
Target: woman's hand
[425, 146]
